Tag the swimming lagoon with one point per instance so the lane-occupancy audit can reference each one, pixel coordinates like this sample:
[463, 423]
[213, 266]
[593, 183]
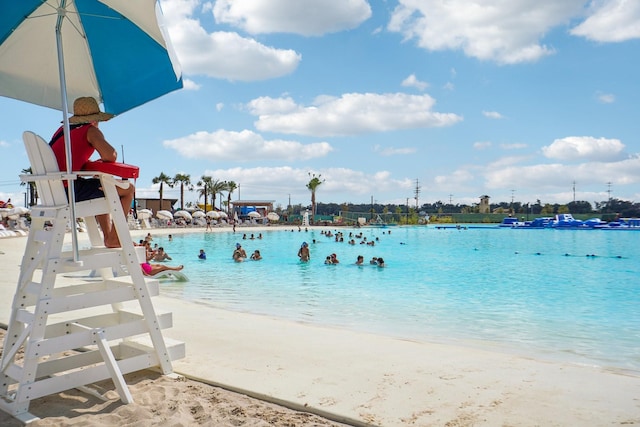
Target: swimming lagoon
[568, 295]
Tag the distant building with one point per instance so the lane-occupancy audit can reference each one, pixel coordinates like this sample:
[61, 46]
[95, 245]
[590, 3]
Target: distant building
[154, 204]
[484, 205]
[243, 207]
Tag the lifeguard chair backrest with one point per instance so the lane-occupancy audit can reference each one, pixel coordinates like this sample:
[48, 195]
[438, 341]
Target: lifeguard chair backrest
[50, 191]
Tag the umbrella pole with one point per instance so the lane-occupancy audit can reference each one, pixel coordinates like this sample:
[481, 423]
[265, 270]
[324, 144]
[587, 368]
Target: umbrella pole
[67, 133]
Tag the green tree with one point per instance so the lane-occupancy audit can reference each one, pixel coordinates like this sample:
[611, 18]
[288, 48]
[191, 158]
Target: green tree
[32, 190]
[204, 188]
[231, 187]
[162, 179]
[217, 187]
[184, 180]
[313, 185]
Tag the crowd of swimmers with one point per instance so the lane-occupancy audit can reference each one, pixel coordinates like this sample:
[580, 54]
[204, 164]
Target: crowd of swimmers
[157, 253]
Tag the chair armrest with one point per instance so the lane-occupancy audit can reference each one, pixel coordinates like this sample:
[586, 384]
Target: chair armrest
[48, 177]
[106, 178]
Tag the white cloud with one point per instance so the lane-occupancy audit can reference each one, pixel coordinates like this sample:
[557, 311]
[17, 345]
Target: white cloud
[224, 55]
[412, 81]
[584, 147]
[4, 144]
[611, 21]
[455, 180]
[481, 145]
[606, 98]
[244, 146]
[507, 32]
[189, 84]
[492, 115]
[351, 114]
[551, 183]
[392, 151]
[304, 17]
[281, 182]
[557, 176]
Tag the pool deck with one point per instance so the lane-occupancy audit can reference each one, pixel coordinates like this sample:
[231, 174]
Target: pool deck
[374, 380]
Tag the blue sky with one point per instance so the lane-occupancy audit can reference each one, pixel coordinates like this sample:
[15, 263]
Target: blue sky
[510, 98]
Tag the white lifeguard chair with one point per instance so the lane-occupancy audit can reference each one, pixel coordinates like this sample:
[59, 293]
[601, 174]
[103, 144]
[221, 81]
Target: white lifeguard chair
[78, 330]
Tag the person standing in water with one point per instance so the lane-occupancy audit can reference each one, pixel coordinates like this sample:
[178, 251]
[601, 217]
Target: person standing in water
[303, 252]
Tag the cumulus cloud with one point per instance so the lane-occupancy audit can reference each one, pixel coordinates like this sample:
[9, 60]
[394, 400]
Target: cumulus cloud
[456, 179]
[492, 115]
[551, 182]
[340, 184]
[392, 151]
[304, 17]
[350, 114]
[225, 55]
[507, 32]
[584, 147]
[189, 84]
[556, 175]
[611, 21]
[412, 81]
[244, 146]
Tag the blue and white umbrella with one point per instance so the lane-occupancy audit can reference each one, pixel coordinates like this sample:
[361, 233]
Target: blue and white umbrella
[116, 51]
[53, 51]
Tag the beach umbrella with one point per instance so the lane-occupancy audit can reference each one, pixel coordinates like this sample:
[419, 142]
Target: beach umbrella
[145, 213]
[53, 51]
[272, 216]
[254, 214]
[164, 215]
[213, 214]
[16, 212]
[183, 214]
[198, 214]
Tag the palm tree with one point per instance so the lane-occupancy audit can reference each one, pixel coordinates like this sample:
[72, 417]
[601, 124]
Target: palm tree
[31, 189]
[312, 186]
[183, 179]
[217, 187]
[162, 179]
[204, 188]
[231, 187]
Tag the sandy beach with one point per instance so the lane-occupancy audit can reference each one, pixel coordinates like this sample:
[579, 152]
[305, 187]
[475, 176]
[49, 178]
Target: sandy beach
[238, 365]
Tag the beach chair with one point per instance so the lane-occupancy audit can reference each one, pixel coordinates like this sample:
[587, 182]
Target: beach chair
[73, 331]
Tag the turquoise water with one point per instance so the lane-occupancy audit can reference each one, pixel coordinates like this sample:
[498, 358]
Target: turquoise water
[570, 295]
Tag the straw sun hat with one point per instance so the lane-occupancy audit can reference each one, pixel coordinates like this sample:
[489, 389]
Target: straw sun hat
[86, 110]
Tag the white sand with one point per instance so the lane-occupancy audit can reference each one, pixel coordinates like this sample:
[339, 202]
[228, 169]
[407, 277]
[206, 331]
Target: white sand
[374, 379]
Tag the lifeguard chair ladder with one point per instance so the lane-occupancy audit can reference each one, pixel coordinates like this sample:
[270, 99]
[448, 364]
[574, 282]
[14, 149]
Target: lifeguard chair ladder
[73, 332]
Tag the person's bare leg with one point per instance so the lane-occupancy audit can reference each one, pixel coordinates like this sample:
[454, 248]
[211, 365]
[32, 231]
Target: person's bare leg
[111, 239]
[126, 197]
[110, 236]
[157, 268]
